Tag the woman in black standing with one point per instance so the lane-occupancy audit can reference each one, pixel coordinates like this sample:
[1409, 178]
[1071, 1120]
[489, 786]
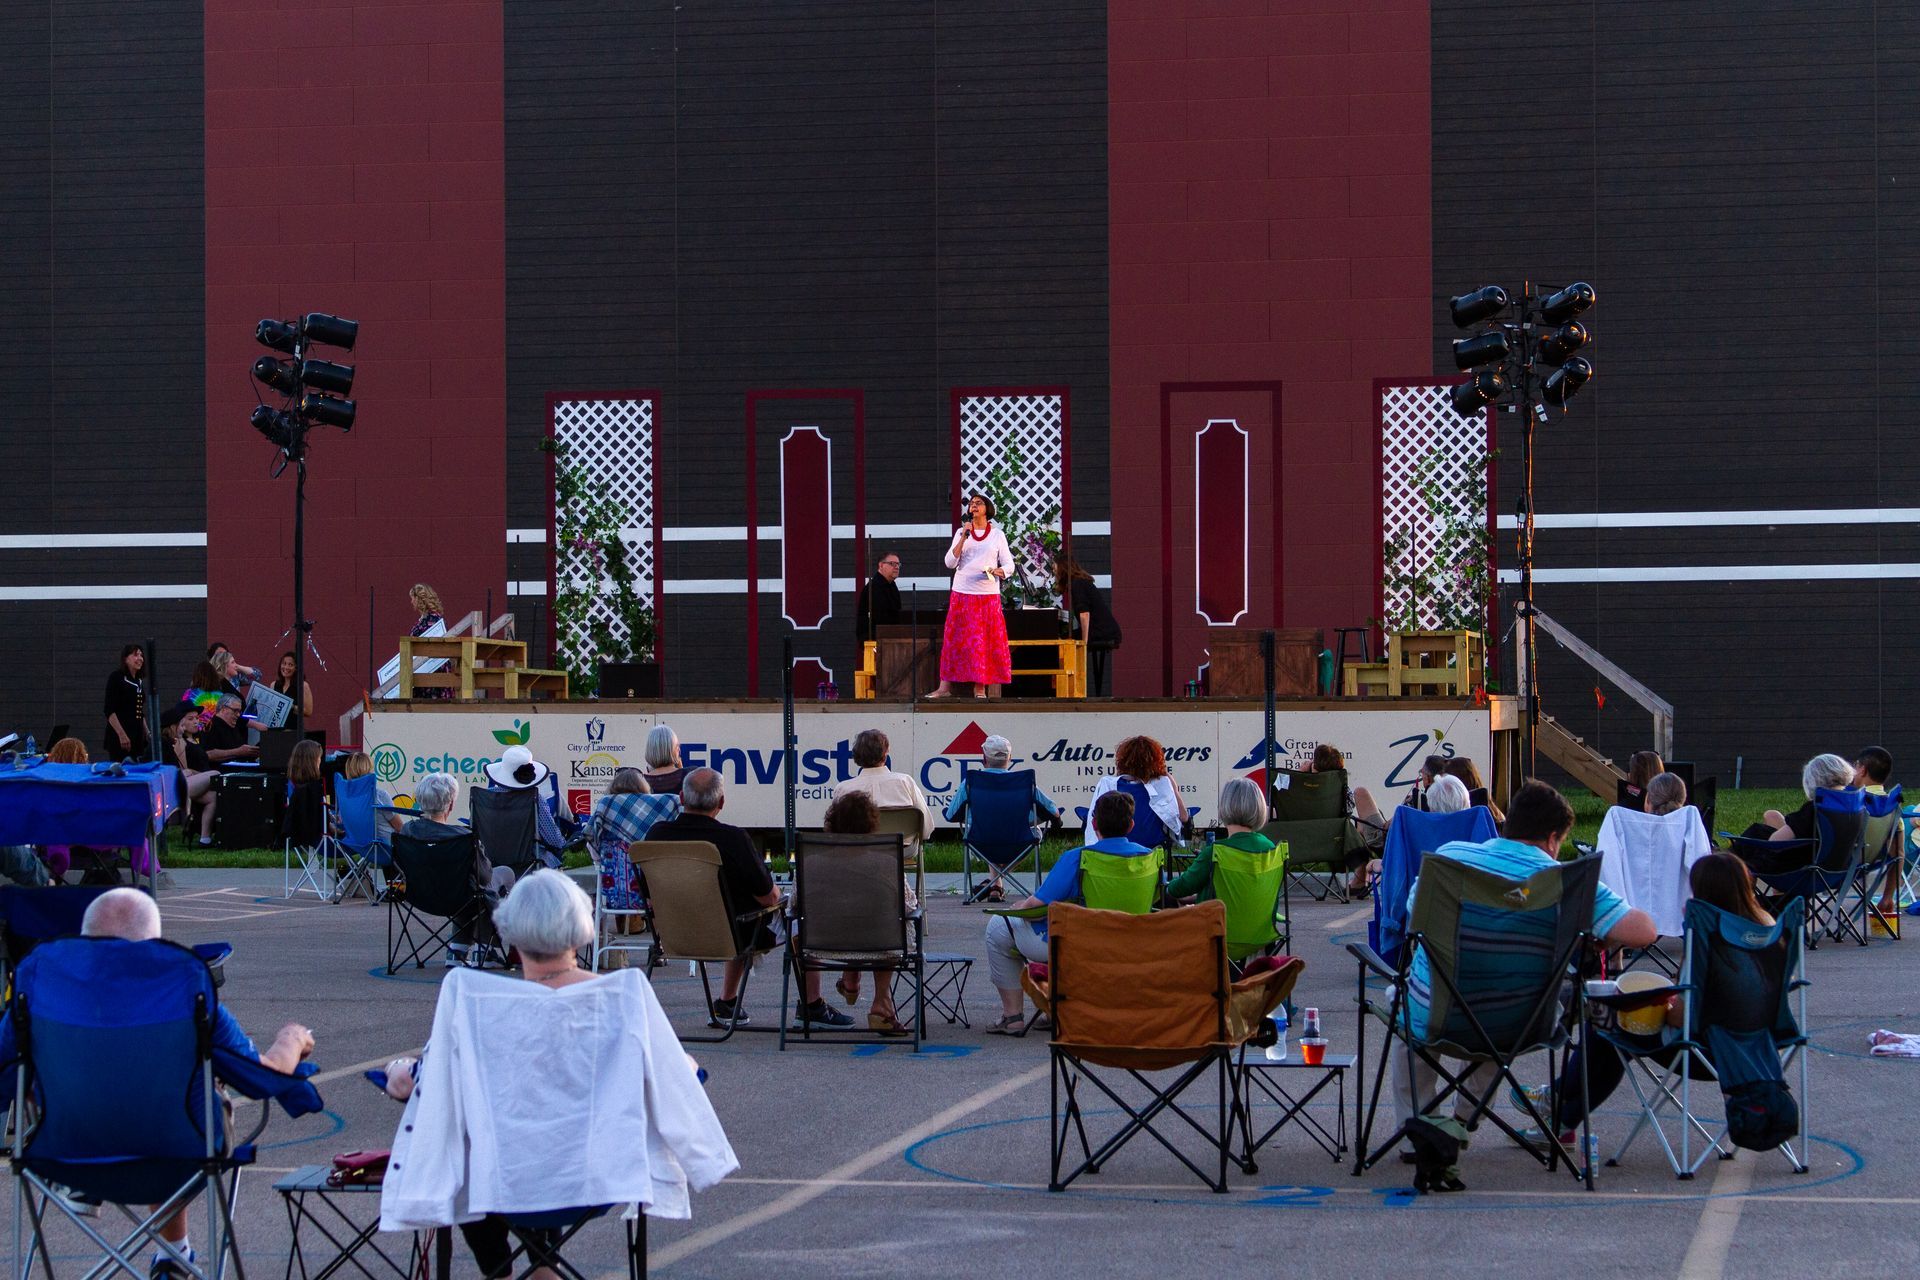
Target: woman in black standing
[126, 707]
[1088, 605]
[283, 685]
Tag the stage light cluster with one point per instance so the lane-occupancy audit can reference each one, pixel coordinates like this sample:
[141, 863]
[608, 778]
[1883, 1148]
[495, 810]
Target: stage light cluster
[1525, 346]
[314, 390]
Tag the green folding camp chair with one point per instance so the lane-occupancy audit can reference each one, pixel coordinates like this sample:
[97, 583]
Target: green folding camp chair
[1120, 881]
[1500, 958]
[1250, 885]
[1310, 818]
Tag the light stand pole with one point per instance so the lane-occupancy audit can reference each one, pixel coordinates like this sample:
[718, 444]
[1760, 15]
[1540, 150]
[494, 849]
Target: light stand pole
[1505, 363]
[302, 381]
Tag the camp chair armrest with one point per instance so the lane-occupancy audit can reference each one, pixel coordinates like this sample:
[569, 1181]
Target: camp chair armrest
[1370, 959]
[1798, 983]
[259, 1126]
[1019, 913]
[759, 913]
[1627, 1001]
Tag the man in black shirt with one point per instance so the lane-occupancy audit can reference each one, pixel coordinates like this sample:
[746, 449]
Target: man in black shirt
[879, 602]
[223, 738]
[745, 875]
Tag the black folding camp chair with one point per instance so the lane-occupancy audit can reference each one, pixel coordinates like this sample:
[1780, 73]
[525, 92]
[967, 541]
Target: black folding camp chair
[430, 897]
[1818, 871]
[505, 827]
[1310, 819]
[1499, 978]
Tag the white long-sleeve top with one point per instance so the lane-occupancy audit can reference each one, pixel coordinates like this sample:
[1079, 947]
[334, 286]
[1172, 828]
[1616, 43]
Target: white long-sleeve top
[970, 558]
[1648, 859]
[1166, 802]
[530, 1099]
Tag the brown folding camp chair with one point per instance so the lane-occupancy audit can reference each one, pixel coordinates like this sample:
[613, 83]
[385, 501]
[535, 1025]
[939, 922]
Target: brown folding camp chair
[1140, 994]
[695, 918]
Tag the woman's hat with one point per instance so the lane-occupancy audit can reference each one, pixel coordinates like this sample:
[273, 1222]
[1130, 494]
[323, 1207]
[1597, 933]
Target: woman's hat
[516, 769]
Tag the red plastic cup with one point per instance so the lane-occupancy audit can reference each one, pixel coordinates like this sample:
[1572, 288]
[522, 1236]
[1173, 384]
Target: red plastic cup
[1313, 1052]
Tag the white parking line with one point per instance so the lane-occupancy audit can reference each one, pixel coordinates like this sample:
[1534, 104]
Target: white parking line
[813, 1188]
[1712, 1240]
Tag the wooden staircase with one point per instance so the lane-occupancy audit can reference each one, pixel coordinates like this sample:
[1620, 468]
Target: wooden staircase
[1568, 750]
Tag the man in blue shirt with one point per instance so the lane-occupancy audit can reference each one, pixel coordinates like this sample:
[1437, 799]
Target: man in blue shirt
[1538, 822]
[131, 915]
[996, 756]
[1012, 943]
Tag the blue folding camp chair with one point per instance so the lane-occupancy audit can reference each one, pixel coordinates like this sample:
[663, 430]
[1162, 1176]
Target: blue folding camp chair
[1745, 1022]
[29, 917]
[358, 847]
[1412, 835]
[1817, 871]
[1148, 830]
[111, 1045]
[1000, 829]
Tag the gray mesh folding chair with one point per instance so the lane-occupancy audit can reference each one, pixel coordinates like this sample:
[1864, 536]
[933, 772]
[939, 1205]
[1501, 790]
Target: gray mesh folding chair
[849, 915]
[1746, 1011]
[905, 821]
[696, 919]
[1500, 956]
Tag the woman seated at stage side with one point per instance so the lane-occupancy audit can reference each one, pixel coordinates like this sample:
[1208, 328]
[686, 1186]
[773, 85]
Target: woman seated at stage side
[181, 748]
[1362, 812]
[664, 773]
[1141, 759]
[303, 822]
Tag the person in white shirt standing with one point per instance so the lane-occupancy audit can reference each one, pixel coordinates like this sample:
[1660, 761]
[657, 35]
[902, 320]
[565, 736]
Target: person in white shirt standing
[974, 648]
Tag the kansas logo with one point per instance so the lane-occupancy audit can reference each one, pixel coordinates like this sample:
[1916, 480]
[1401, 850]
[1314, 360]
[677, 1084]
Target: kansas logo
[519, 735]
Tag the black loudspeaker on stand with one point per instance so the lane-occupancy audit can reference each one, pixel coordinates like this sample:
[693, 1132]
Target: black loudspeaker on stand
[249, 812]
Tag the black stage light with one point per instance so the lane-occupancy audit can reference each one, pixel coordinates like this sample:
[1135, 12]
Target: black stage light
[1477, 392]
[325, 375]
[1563, 382]
[1482, 348]
[1571, 301]
[331, 330]
[281, 335]
[1469, 309]
[277, 374]
[276, 425]
[327, 410]
[1562, 342]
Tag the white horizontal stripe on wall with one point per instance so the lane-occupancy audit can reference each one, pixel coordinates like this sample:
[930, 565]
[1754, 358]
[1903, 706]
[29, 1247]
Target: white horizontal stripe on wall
[771, 532]
[1719, 573]
[143, 591]
[80, 541]
[1713, 519]
[738, 586]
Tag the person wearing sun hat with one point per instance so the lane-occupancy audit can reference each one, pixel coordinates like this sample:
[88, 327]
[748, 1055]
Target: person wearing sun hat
[517, 770]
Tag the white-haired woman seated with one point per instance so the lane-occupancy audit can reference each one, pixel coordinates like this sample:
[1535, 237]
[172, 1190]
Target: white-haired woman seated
[433, 800]
[1822, 773]
[1242, 811]
[548, 919]
[665, 774]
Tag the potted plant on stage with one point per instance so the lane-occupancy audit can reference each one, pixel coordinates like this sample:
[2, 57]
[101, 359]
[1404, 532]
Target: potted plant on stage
[599, 616]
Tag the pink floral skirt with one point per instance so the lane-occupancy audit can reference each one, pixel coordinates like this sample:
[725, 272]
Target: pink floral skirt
[974, 649]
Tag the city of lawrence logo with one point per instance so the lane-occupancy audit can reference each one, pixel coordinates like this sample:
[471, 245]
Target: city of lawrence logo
[596, 730]
[515, 737]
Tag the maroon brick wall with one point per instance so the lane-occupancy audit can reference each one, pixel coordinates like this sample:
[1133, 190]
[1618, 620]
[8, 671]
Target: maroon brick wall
[355, 164]
[1270, 220]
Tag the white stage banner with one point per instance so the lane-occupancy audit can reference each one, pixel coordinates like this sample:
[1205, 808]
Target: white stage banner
[1069, 750]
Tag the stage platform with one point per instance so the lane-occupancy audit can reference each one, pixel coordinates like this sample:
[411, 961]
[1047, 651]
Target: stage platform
[1069, 745]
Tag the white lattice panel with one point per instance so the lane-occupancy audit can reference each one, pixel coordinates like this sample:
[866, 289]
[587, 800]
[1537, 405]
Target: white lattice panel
[1415, 421]
[613, 441]
[1033, 424]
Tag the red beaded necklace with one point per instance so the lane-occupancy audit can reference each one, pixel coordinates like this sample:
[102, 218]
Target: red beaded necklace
[980, 536]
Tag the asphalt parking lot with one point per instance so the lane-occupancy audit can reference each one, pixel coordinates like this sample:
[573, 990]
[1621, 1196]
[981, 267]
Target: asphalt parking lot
[875, 1161]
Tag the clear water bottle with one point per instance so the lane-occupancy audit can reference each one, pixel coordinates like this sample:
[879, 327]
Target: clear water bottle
[1277, 1051]
[33, 748]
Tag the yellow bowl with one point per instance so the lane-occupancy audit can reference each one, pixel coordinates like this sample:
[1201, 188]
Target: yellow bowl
[1645, 1021]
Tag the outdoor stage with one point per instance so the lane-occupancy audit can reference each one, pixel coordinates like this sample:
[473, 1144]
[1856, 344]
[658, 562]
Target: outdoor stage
[1068, 745]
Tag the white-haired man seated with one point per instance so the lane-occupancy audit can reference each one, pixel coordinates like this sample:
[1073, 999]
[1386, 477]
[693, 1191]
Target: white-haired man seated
[996, 756]
[131, 915]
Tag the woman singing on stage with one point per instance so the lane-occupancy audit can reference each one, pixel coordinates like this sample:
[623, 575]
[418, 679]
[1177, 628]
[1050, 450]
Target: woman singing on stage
[974, 650]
